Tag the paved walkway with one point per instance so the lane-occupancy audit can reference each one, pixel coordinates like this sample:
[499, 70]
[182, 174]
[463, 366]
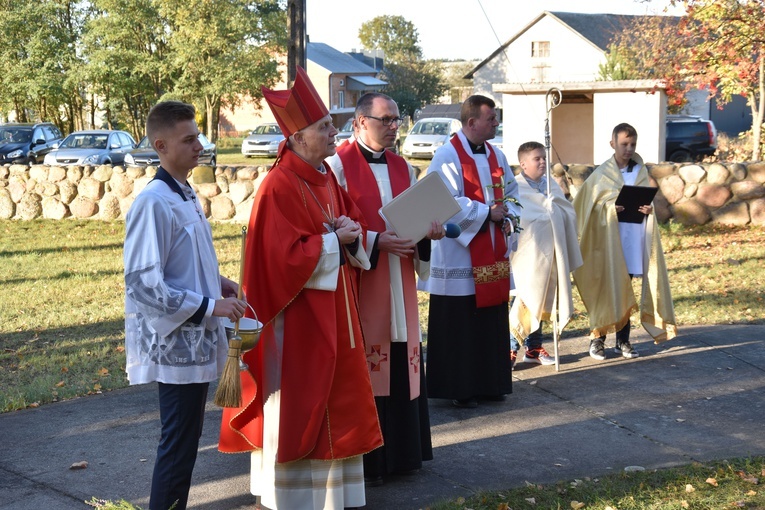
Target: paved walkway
[698, 397]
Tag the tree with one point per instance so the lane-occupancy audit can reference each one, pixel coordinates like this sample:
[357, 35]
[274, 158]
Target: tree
[224, 50]
[38, 52]
[413, 82]
[726, 41]
[650, 48]
[394, 35]
[126, 44]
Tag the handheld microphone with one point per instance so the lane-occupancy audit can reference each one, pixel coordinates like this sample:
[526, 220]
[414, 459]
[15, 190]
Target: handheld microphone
[452, 230]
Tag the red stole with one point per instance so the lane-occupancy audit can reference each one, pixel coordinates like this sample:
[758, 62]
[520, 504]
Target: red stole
[491, 269]
[374, 289]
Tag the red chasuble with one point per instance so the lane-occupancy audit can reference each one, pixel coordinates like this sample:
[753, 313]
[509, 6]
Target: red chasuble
[491, 270]
[327, 405]
[374, 285]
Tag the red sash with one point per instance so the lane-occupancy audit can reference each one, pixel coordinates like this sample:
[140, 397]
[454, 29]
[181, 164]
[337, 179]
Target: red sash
[374, 285]
[491, 269]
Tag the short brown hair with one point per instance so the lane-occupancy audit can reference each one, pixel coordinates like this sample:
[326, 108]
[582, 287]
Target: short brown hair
[364, 105]
[166, 115]
[471, 107]
[624, 128]
[528, 147]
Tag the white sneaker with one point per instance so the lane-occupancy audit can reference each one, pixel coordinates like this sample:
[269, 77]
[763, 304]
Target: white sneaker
[538, 356]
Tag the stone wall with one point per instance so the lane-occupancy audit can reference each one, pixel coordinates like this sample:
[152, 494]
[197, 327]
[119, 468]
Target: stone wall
[107, 192]
[691, 194]
[695, 194]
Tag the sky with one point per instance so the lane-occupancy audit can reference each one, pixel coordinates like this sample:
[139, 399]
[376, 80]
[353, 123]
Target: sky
[453, 29]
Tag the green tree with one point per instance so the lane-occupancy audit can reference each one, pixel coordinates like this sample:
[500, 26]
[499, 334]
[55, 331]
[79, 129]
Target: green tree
[413, 82]
[726, 53]
[224, 50]
[126, 44]
[38, 52]
[394, 35]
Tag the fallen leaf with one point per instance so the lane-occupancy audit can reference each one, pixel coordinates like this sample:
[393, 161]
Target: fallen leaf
[60, 384]
[503, 506]
[576, 505]
[64, 370]
[738, 504]
[751, 493]
[460, 500]
[684, 504]
[34, 404]
[79, 465]
[96, 387]
[533, 383]
[531, 501]
[689, 488]
[609, 507]
[712, 482]
[120, 348]
[680, 420]
[103, 372]
[748, 478]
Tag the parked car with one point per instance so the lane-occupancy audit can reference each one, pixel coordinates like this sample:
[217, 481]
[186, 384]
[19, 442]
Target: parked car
[344, 132]
[100, 147]
[27, 143]
[263, 141]
[427, 135]
[144, 154]
[689, 138]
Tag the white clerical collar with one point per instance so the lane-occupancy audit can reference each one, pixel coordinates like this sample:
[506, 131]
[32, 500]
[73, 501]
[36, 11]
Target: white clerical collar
[375, 154]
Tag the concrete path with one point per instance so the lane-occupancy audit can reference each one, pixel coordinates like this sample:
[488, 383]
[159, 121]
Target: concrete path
[698, 397]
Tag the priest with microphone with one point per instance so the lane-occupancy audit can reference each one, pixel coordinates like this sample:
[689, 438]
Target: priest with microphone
[373, 176]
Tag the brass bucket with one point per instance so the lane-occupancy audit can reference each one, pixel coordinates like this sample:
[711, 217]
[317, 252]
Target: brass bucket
[249, 330]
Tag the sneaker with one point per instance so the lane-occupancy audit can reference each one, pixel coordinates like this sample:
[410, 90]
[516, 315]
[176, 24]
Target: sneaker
[513, 357]
[597, 349]
[538, 356]
[624, 348]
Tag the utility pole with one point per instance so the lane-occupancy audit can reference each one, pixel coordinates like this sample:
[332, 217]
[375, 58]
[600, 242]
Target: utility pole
[297, 42]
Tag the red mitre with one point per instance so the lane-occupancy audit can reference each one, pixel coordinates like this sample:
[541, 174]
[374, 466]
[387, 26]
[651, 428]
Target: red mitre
[297, 107]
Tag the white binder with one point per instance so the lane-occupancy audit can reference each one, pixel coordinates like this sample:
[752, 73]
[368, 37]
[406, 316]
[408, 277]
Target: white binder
[413, 210]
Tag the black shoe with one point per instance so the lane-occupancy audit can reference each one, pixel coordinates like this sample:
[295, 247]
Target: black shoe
[469, 403]
[373, 481]
[493, 398]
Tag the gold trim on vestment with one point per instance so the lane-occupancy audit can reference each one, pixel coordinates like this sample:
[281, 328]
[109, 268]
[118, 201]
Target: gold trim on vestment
[492, 273]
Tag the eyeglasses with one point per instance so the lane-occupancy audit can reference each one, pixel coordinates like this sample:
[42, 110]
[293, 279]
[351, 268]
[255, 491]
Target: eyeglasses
[386, 121]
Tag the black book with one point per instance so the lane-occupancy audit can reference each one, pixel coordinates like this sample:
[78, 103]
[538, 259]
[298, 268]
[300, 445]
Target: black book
[633, 198]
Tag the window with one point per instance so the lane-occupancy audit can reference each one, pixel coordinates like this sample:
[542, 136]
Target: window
[540, 49]
[341, 99]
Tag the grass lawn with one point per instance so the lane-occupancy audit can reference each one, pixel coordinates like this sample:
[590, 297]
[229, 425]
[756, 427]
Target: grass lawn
[62, 292]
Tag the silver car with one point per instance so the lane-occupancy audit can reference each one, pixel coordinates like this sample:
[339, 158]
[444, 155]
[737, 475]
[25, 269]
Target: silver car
[427, 135]
[100, 147]
[263, 141]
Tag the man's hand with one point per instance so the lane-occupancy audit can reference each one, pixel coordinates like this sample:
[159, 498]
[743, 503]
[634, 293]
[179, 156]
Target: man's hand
[229, 288]
[347, 230]
[437, 231]
[498, 212]
[389, 242]
[646, 209]
[229, 307]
